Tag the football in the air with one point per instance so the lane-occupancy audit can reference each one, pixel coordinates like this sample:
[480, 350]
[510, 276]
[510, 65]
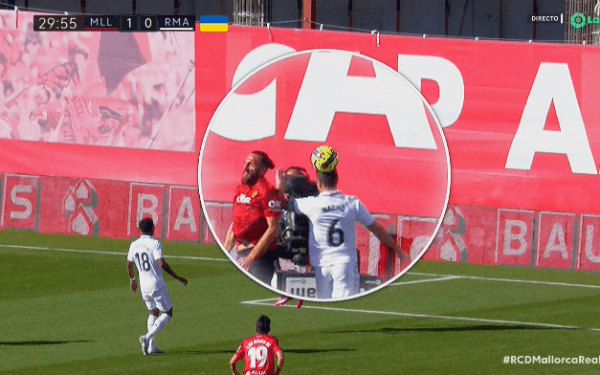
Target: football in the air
[324, 159]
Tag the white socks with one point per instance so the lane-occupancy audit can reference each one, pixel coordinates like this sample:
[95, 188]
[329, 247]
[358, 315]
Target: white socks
[157, 326]
[150, 324]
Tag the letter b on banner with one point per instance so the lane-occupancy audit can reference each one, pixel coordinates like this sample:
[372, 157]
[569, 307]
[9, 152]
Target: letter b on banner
[515, 237]
[147, 201]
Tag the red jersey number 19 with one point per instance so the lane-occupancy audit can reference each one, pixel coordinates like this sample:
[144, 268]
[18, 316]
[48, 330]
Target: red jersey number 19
[258, 356]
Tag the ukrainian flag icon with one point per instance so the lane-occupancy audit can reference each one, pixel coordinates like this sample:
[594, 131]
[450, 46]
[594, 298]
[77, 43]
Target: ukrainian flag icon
[214, 24]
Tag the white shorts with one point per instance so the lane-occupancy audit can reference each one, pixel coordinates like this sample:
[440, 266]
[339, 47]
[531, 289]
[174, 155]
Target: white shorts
[337, 281]
[158, 299]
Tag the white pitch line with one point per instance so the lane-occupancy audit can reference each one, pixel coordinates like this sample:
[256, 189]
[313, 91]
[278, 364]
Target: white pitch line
[105, 252]
[400, 283]
[441, 317]
[507, 280]
[260, 301]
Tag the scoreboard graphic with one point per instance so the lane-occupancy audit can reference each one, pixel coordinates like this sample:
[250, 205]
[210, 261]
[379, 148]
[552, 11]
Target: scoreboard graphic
[123, 23]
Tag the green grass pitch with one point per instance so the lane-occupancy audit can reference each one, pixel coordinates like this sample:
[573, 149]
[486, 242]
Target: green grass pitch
[66, 308]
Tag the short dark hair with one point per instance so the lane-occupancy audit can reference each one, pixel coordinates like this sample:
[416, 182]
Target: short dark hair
[265, 159]
[263, 325]
[328, 179]
[146, 225]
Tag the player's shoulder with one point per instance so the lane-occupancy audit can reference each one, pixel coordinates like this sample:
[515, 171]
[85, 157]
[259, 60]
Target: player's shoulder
[274, 342]
[349, 198]
[307, 199]
[135, 242]
[240, 188]
[147, 241]
[263, 186]
[246, 341]
[274, 339]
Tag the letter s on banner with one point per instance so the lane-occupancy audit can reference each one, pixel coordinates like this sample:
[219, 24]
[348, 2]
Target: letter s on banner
[251, 117]
[21, 201]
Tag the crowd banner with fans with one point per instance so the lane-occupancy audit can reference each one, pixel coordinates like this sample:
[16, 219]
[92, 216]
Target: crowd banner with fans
[118, 106]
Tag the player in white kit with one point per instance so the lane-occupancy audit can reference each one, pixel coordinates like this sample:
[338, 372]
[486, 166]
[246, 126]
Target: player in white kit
[146, 254]
[332, 239]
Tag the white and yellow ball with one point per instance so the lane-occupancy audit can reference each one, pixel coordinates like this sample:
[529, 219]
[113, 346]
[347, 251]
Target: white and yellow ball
[324, 159]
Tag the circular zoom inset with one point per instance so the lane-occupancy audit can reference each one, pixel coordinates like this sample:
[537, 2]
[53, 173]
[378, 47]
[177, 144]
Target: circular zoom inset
[324, 175]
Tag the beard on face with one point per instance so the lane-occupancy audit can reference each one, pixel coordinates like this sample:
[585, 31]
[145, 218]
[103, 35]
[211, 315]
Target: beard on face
[249, 178]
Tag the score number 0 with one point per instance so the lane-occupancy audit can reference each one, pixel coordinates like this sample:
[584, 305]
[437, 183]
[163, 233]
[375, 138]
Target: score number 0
[149, 23]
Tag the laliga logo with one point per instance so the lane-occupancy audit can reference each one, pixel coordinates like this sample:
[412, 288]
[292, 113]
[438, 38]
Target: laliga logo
[78, 206]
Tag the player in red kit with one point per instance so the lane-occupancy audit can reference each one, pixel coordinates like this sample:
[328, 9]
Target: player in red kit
[259, 352]
[256, 214]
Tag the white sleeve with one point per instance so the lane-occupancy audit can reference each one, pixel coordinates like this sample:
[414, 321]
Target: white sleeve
[130, 254]
[157, 252]
[363, 215]
[302, 205]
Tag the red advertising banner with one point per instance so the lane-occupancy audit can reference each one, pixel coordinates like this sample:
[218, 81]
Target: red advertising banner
[518, 117]
[468, 234]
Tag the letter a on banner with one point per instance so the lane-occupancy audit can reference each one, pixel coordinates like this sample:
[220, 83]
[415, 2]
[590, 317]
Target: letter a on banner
[552, 84]
[327, 89]
[556, 242]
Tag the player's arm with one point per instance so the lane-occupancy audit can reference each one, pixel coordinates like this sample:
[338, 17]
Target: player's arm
[279, 356]
[161, 262]
[365, 218]
[132, 283]
[263, 244]
[384, 237]
[229, 239]
[235, 359]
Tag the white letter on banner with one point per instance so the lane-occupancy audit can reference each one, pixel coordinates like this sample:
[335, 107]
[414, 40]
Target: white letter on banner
[327, 89]
[182, 218]
[589, 245]
[509, 236]
[141, 209]
[445, 74]
[552, 83]
[557, 234]
[21, 202]
[253, 116]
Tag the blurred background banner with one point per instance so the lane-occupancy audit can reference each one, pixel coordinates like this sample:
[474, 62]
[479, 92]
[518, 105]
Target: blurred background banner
[130, 91]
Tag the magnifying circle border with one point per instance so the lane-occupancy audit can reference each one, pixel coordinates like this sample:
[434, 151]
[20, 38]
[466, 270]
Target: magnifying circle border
[310, 52]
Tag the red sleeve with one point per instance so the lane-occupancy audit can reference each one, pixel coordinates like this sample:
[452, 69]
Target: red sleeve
[276, 347]
[272, 203]
[239, 353]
